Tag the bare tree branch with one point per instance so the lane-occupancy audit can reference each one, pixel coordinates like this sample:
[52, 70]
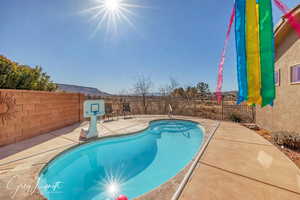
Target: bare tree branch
[142, 87]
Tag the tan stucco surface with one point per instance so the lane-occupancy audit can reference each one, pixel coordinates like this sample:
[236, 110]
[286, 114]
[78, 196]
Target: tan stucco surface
[239, 167]
[285, 115]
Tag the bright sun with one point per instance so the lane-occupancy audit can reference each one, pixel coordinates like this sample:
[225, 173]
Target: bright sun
[112, 5]
[110, 13]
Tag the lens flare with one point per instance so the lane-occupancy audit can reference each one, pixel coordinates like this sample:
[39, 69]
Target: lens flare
[113, 189]
[113, 183]
[112, 5]
[111, 13]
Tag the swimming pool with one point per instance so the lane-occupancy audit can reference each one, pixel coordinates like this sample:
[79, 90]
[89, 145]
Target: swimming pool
[131, 165]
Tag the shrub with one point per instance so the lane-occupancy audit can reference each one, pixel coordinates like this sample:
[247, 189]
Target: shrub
[287, 139]
[15, 76]
[235, 117]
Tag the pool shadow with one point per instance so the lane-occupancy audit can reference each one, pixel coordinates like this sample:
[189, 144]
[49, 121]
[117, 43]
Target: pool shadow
[25, 145]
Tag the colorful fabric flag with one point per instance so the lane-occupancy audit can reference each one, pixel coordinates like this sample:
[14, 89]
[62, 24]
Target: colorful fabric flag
[240, 38]
[220, 71]
[267, 57]
[253, 53]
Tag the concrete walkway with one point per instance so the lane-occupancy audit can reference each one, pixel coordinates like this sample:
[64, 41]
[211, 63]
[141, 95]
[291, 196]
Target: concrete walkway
[239, 164]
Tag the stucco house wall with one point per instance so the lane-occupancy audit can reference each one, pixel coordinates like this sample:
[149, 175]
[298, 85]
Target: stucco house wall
[285, 114]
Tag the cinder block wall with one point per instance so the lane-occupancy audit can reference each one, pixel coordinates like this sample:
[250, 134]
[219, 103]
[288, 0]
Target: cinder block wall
[25, 114]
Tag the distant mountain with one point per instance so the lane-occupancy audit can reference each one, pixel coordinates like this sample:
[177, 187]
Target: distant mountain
[81, 89]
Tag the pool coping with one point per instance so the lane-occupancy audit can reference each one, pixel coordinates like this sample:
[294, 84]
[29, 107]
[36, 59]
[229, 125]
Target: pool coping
[193, 166]
[190, 166]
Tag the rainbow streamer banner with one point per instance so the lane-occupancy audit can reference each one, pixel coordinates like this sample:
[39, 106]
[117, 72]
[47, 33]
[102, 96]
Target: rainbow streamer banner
[255, 51]
[254, 39]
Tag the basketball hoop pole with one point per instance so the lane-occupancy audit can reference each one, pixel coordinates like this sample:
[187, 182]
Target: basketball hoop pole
[92, 109]
[93, 131]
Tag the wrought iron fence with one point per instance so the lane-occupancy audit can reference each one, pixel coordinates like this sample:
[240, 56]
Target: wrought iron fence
[200, 107]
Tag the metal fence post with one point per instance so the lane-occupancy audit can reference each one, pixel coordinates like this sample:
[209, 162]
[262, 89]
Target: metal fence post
[253, 114]
[222, 107]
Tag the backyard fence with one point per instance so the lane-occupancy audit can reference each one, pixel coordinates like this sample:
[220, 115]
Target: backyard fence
[200, 107]
[25, 114]
[243, 113]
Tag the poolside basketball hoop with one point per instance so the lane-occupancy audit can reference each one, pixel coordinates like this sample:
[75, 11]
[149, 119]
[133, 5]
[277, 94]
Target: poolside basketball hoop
[92, 109]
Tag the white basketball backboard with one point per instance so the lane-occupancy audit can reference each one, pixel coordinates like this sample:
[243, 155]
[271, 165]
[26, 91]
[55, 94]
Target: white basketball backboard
[93, 108]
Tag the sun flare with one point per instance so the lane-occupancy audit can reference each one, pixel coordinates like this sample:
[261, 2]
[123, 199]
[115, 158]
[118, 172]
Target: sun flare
[110, 14]
[111, 5]
[113, 189]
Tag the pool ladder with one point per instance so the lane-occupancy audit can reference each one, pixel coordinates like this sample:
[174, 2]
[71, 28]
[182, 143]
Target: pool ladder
[170, 111]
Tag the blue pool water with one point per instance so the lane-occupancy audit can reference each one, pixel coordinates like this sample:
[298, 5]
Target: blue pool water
[130, 165]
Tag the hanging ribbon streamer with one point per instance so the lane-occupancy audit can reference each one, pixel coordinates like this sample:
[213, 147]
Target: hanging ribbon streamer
[267, 57]
[253, 54]
[255, 50]
[220, 72]
[288, 15]
[240, 42]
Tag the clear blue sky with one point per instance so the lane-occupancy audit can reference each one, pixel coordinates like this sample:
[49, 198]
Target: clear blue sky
[173, 38]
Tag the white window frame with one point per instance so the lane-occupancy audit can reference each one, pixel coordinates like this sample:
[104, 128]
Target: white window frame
[279, 77]
[290, 74]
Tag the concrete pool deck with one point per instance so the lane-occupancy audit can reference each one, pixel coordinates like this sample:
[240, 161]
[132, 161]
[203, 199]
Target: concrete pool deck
[237, 163]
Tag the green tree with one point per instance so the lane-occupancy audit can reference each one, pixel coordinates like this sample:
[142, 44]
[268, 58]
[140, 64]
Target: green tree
[203, 88]
[15, 76]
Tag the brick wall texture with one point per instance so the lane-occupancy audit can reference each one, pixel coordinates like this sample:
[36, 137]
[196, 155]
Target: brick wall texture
[33, 113]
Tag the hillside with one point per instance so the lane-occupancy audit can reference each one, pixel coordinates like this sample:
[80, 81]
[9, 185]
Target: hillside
[81, 89]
